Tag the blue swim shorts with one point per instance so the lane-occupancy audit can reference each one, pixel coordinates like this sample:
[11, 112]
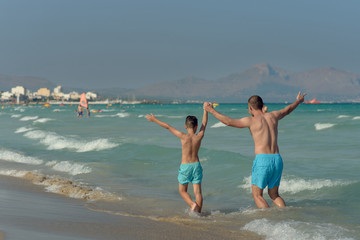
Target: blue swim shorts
[190, 172]
[267, 170]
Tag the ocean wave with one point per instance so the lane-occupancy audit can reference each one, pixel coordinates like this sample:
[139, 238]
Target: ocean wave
[68, 167]
[356, 118]
[296, 185]
[20, 109]
[217, 125]
[120, 115]
[29, 118]
[63, 186]
[59, 110]
[23, 129]
[296, 230]
[43, 120]
[343, 116]
[15, 115]
[10, 156]
[54, 141]
[322, 126]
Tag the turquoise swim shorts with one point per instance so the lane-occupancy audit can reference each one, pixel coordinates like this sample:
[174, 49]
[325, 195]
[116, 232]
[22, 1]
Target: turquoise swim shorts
[267, 170]
[190, 172]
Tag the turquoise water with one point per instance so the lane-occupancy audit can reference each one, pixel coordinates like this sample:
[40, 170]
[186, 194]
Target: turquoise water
[132, 164]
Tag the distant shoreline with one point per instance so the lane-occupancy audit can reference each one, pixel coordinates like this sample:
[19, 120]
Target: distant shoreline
[107, 102]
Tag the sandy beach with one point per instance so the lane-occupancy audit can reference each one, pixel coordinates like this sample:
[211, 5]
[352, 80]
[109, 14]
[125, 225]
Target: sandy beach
[30, 213]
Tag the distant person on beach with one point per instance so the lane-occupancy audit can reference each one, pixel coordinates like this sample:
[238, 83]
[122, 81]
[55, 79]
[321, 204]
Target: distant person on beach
[88, 112]
[268, 165]
[190, 168]
[79, 111]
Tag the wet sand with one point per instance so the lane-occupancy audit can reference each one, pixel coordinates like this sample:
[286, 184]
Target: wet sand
[27, 212]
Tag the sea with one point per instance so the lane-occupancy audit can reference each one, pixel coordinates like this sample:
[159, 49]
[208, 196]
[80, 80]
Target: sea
[121, 164]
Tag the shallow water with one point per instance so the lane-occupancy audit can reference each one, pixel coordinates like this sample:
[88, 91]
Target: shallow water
[118, 156]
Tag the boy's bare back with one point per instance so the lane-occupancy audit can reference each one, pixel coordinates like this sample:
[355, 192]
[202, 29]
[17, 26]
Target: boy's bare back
[190, 144]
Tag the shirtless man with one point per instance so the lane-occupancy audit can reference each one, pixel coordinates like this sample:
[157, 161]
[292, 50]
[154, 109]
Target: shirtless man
[190, 169]
[268, 165]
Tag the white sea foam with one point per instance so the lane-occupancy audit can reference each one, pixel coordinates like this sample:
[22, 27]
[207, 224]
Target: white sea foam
[23, 129]
[68, 167]
[43, 120]
[217, 125]
[63, 186]
[10, 156]
[356, 118]
[16, 115]
[13, 173]
[54, 141]
[20, 109]
[29, 118]
[59, 110]
[120, 115]
[296, 230]
[295, 185]
[343, 116]
[322, 126]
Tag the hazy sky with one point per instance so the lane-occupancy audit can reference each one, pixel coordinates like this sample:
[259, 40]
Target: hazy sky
[131, 43]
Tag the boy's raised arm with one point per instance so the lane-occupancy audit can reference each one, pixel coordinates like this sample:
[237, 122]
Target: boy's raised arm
[288, 109]
[204, 120]
[174, 131]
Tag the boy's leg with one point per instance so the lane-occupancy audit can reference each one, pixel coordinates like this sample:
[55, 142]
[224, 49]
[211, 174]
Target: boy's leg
[198, 195]
[186, 196]
[275, 197]
[258, 197]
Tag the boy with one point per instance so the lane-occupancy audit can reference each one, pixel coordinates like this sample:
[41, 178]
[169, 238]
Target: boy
[190, 168]
[268, 164]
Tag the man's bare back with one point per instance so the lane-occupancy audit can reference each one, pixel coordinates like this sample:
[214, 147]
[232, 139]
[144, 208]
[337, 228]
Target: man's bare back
[264, 130]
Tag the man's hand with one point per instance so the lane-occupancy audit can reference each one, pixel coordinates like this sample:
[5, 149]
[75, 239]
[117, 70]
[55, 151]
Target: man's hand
[150, 117]
[300, 97]
[208, 106]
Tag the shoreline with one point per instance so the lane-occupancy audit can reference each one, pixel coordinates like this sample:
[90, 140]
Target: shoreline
[28, 212]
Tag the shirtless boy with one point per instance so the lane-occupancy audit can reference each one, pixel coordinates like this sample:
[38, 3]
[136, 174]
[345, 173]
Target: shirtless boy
[190, 168]
[268, 165]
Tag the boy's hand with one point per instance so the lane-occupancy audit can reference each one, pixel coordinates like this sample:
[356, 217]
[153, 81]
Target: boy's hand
[300, 97]
[150, 117]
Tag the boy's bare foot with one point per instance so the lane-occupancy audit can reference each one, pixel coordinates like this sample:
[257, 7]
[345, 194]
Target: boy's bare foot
[195, 208]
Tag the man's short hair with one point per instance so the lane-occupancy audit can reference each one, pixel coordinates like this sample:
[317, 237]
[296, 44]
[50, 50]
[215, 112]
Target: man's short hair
[256, 102]
[191, 122]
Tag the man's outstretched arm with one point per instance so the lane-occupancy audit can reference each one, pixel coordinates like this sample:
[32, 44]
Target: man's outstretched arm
[239, 123]
[287, 110]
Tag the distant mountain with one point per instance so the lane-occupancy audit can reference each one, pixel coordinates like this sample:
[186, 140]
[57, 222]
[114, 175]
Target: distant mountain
[31, 83]
[272, 83]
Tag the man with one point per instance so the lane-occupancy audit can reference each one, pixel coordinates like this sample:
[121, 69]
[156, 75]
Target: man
[268, 165]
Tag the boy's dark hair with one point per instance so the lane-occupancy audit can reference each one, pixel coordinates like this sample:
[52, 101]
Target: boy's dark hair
[191, 122]
[256, 102]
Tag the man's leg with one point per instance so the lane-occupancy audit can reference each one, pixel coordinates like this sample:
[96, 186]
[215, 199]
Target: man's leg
[198, 196]
[186, 196]
[258, 197]
[275, 197]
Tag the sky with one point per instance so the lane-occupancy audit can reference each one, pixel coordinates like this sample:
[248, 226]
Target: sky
[136, 43]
